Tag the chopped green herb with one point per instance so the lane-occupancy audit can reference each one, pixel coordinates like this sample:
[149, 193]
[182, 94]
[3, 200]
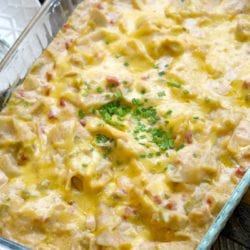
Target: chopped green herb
[168, 113]
[85, 94]
[146, 113]
[81, 114]
[88, 86]
[196, 117]
[140, 128]
[118, 95]
[117, 55]
[107, 42]
[118, 163]
[99, 89]
[143, 91]
[26, 104]
[150, 155]
[25, 194]
[84, 165]
[137, 102]
[101, 139]
[161, 73]
[156, 66]
[185, 92]
[180, 147]
[113, 108]
[143, 155]
[107, 151]
[173, 84]
[108, 96]
[161, 93]
[162, 139]
[126, 64]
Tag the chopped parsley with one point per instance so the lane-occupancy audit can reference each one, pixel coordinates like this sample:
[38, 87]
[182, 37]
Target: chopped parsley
[81, 114]
[161, 93]
[180, 147]
[156, 66]
[168, 113]
[146, 113]
[126, 64]
[99, 90]
[173, 84]
[140, 128]
[113, 108]
[161, 73]
[196, 117]
[118, 95]
[137, 102]
[102, 139]
[162, 138]
[143, 155]
[185, 92]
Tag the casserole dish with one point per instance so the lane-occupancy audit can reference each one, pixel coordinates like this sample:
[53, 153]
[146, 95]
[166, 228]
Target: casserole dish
[33, 40]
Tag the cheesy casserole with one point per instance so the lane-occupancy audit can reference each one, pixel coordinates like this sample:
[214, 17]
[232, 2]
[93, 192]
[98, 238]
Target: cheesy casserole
[131, 130]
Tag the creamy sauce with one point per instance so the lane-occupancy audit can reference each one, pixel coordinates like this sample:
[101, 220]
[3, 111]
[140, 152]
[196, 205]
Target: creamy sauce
[131, 130]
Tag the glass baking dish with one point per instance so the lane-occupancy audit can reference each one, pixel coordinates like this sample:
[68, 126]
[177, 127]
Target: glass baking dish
[29, 46]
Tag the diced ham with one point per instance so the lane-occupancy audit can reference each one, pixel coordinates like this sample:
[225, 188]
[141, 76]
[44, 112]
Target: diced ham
[209, 201]
[52, 115]
[145, 78]
[246, 85]
[62, 102]
[49, 76]
[21, 93]
[189, 137]
[157, 199]
[83, 122]
[129, 212]
[68, 43]
[171, 205]
[22, 158]
[99, 6]
[112, 81]
[66, 26]
[239, 172]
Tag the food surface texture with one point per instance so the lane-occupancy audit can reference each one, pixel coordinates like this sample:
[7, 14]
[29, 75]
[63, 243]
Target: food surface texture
[131, 130]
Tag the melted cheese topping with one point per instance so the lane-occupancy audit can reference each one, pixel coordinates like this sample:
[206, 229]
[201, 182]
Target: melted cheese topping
[131, 130]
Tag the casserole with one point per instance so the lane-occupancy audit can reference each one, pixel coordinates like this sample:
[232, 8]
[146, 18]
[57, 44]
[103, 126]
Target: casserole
[43, 37]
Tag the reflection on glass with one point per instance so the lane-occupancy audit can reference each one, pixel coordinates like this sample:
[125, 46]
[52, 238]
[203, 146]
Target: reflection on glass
[3, 48]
